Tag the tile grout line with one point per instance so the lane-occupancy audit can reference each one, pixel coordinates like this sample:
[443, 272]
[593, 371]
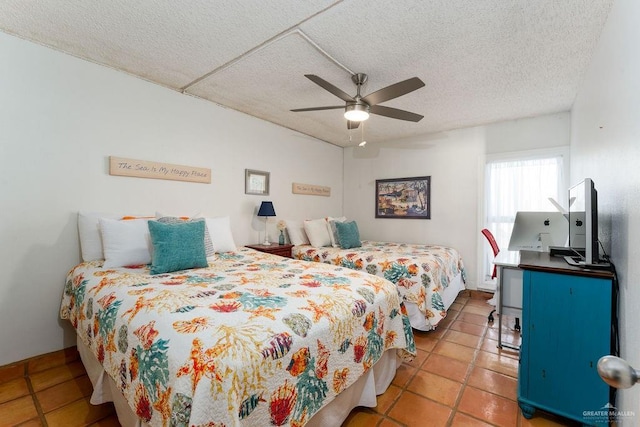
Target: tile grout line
[404, 388]
[32, 393]
[454, 408]
[471, 365]
[470, 368]
[499, 354]
[41, 413]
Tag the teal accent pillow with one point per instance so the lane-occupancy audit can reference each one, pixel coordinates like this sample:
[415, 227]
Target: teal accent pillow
[177, 246]
[348, 235]
[208, 244]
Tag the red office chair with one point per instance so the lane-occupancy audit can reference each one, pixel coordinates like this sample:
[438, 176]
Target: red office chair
[494, 246]
[496, 251]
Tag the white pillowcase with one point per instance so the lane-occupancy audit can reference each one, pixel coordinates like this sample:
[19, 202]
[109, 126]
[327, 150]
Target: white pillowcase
[90, 236]
[162, 214]
[220, 231]
[317, 232]
[125, 242]
[331, 227]
[295, 230]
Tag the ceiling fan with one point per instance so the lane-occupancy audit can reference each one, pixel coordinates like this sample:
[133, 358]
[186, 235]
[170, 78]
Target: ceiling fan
[357, 108]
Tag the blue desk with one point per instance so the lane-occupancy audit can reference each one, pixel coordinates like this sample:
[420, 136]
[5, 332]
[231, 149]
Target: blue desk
[508, 289]
[567, 324]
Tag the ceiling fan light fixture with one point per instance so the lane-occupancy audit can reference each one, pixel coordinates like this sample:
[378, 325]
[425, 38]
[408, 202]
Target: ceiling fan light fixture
[358, 108]
[356, 112]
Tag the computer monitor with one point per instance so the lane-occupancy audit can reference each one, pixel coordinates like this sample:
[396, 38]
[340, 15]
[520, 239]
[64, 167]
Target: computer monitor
[583, 221]
[536, 231]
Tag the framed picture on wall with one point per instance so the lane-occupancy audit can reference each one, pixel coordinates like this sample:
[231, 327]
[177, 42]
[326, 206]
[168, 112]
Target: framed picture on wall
[408, 198]
[256, 182]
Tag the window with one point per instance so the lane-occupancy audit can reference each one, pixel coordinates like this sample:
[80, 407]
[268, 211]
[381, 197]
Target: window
[519, 182]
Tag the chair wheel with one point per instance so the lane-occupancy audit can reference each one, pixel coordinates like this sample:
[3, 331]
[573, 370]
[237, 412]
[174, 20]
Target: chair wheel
[490, 316]
[516, 327]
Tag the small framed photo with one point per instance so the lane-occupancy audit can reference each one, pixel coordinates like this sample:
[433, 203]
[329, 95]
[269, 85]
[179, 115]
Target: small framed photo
[408, 198]
[256, 182]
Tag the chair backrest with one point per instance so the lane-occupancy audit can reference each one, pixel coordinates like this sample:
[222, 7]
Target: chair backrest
[492, 241]
[494, 246]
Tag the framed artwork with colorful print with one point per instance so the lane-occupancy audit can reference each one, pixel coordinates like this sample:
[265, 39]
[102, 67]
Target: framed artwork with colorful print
[408, 198]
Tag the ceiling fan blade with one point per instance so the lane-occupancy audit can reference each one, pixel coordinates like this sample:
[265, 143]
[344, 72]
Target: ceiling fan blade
[333, 107]
[394, 113]
[393, 91]
[329, 87]
[352, 125]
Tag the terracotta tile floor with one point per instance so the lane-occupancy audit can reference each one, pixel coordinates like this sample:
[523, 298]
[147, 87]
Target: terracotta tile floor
[459, 378]
[50, 390]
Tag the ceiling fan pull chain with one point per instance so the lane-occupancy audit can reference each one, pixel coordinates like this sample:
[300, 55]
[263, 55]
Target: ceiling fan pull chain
[362, 141]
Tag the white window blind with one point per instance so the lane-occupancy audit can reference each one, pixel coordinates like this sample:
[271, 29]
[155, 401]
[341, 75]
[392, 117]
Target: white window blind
[513, 185]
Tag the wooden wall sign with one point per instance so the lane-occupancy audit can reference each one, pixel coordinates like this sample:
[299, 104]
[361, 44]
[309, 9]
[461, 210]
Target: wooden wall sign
[120, 166]
[313, 190]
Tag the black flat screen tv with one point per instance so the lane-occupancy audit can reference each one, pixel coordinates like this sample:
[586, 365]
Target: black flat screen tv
[583, 221]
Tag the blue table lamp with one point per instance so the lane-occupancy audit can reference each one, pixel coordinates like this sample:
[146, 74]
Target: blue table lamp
[266, 210]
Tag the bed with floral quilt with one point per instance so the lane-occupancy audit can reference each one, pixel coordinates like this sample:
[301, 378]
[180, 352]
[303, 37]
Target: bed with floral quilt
[252, 339]
[428, 277]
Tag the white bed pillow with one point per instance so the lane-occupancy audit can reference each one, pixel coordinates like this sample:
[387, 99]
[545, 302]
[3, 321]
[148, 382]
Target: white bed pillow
[164, 214]
[295, 230]
[90, 236]
[317, 232]
[220, 231]
[125, 242]
[331, 227]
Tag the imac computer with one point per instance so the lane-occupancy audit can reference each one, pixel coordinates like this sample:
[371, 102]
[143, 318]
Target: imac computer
[536, 231]
[583, 226]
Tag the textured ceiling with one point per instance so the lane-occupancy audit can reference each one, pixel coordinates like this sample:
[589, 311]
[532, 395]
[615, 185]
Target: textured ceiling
[482, 60]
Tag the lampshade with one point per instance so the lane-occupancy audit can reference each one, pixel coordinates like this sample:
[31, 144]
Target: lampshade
[356, 112]
[266, 209]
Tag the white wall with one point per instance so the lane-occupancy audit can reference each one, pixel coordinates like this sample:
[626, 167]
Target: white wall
[451, 159]
[605, 146]
[533, 133]
[60, 119]
[455, 162]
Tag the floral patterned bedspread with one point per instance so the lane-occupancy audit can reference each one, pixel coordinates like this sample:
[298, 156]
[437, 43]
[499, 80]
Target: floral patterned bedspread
[421, 272]
[254, 339]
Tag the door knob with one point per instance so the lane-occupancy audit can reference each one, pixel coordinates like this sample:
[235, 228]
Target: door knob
[617, 372]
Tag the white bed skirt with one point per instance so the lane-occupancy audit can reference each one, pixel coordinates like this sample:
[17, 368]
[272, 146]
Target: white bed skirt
[417, 318]
[361, 393]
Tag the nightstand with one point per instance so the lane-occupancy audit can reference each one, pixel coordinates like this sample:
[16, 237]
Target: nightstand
[274, 248]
